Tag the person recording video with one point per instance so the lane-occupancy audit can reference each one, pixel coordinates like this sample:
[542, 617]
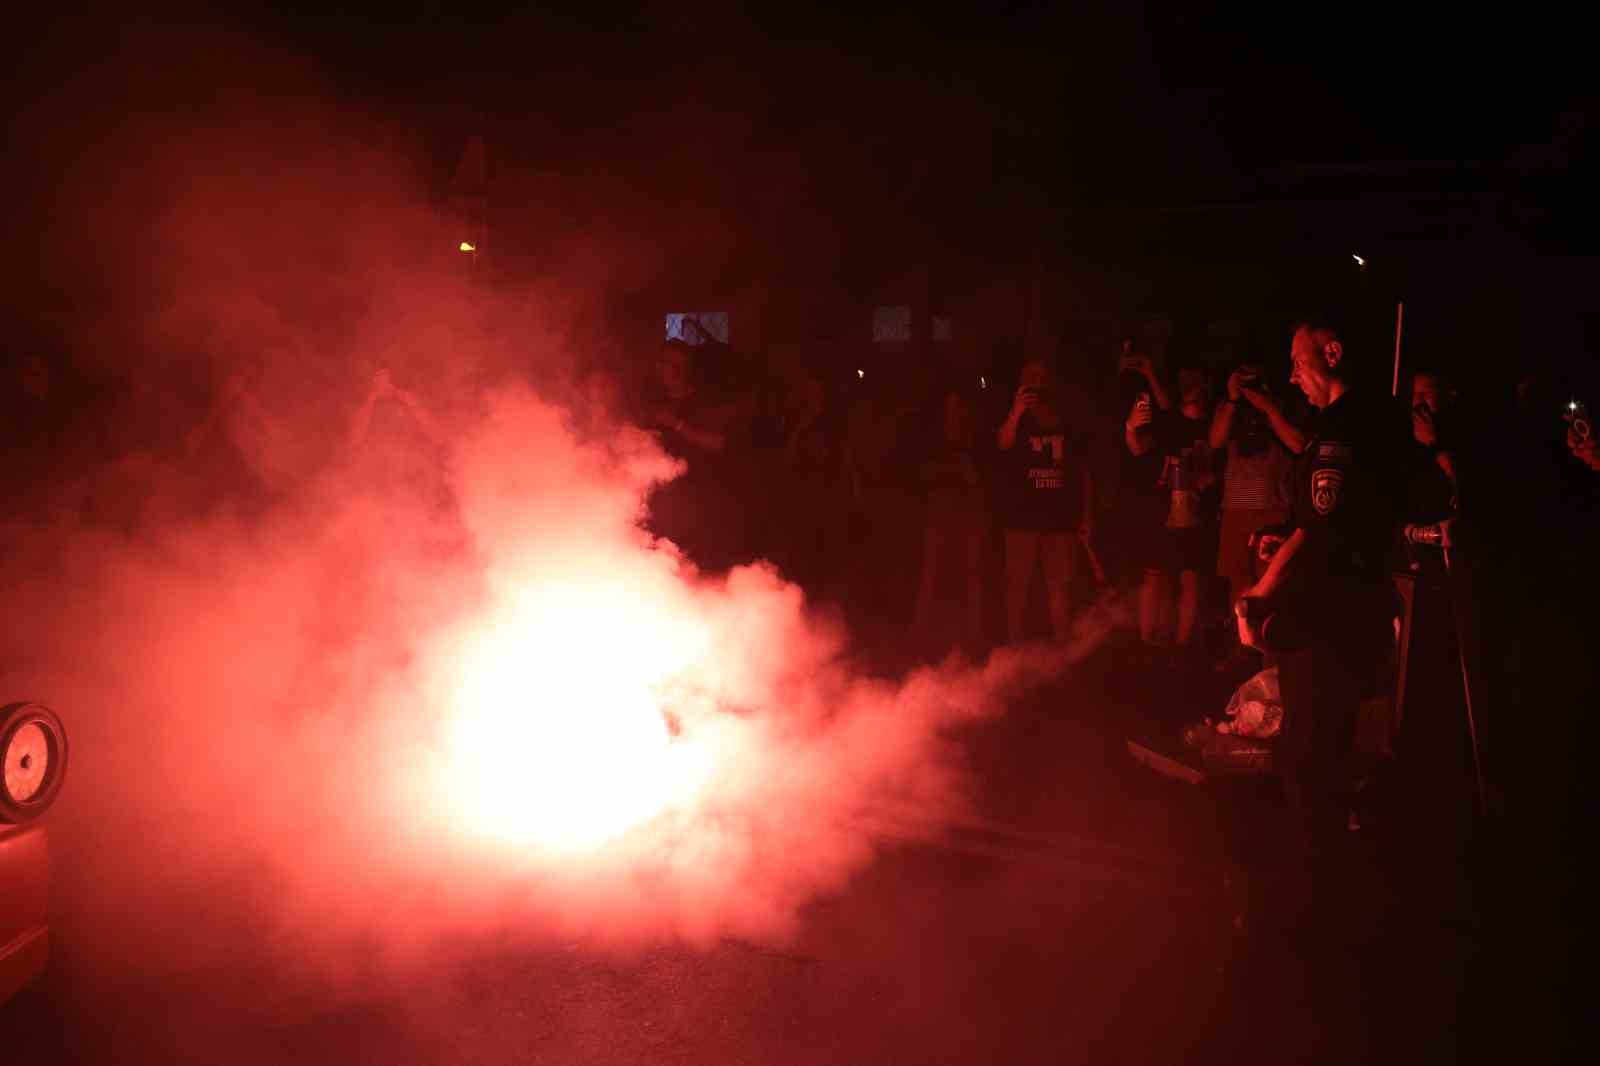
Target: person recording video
[1051, 498]
[1432, 502]
[1138, 374]
[1256, 490]
[1175, 525]
[1580, 435]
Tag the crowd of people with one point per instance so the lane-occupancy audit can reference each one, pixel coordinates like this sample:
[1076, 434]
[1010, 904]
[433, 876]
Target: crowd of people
[1256, 510]
[993, 511]
[1254, 506]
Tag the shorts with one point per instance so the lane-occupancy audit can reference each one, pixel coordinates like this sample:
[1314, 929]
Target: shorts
[1172, 551]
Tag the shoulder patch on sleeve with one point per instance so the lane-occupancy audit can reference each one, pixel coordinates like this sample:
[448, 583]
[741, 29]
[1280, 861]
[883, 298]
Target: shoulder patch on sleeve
[1326, 482]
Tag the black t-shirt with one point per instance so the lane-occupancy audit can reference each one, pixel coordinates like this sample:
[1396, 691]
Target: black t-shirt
[1430, 494]
[1176, 433]
[1348, 484]
[1045, 472]
[707, 508]
[1146, 477]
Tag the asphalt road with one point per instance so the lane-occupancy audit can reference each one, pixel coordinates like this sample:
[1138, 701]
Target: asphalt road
[1093, 912]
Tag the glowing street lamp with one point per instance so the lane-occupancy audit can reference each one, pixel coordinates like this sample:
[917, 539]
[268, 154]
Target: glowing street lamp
[1360, 262]
[468, 246]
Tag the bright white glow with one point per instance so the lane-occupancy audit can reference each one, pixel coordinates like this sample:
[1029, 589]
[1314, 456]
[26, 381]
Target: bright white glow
[468, 247]
[559, 737]
[983, 383]
[1359, 261]
[861, 373]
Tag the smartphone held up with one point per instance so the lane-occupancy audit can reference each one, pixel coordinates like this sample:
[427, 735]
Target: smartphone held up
[1579, 424]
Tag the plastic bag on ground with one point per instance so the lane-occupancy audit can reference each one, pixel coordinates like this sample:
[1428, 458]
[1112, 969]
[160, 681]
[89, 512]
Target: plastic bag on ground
[1256, 709]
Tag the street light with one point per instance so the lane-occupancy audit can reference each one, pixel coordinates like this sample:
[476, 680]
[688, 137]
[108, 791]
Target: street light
[468, 246]
[1360, 262]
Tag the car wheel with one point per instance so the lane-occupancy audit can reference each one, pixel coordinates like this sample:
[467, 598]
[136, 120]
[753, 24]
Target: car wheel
[33, 760]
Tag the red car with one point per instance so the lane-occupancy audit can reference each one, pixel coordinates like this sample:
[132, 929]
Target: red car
[33, 757]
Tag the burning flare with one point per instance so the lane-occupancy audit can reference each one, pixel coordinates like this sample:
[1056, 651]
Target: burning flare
[558, 735]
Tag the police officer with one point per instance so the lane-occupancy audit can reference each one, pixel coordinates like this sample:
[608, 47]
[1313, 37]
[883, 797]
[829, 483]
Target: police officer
[1325, 603]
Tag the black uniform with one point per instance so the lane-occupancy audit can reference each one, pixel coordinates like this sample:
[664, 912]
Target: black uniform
[1340, 600]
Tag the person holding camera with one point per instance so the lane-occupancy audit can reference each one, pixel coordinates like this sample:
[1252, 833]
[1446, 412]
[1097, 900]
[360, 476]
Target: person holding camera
[1255, 482]
[1138, 373]
[1432, 501]
[1580, 436]
[1175, 518]
[1325, 604]
[1051, 499]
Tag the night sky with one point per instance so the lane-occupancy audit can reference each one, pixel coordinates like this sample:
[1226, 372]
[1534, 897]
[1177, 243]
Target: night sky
[1197, 151]
[1086, 96]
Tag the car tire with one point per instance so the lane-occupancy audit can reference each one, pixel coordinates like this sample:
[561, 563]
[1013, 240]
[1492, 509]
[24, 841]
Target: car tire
[33, 760]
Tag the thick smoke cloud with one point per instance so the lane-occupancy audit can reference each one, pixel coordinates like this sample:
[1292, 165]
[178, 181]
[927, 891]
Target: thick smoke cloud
[328, 711]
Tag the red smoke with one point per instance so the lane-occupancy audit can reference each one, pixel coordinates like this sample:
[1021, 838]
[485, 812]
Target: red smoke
[340, 710]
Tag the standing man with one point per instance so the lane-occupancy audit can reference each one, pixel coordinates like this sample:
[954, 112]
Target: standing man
[1182, 540]
[1051, 498]
[698, 511]
[1260, 445]
[1326, 598]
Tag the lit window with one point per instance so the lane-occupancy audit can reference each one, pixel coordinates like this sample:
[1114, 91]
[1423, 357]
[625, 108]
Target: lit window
[891, 323]
[698, 327]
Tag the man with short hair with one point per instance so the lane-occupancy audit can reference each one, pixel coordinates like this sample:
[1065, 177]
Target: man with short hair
[1432, 491]
[1051, 498]
[1326, 597]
